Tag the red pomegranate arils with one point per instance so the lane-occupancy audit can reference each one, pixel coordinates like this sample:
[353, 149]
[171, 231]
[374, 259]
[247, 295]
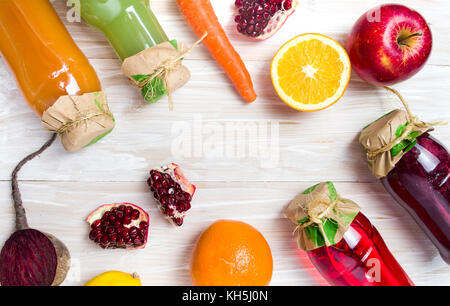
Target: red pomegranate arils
[172, 191]
[260, 19]
[122, 226]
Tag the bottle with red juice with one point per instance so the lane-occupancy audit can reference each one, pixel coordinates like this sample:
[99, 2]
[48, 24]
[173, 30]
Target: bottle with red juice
[415, 169]
[341, 242]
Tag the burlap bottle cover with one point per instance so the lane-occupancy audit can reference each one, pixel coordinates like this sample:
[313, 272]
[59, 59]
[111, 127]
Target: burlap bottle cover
[158, 70]
[321, 216]
[79, 120]
[389, 138]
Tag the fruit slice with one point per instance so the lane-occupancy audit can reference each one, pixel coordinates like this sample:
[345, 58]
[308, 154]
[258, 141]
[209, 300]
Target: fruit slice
[115, 278]
[122, 226]
[311, 72]
[261, 19]
[172, 191]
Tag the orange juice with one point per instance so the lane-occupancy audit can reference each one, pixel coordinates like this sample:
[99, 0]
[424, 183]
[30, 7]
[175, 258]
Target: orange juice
[48, 65]
[44, 58]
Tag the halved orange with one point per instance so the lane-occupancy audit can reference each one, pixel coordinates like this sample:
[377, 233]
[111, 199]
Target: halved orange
[311, 72]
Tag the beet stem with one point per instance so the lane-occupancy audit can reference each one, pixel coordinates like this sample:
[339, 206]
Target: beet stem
[21, 218]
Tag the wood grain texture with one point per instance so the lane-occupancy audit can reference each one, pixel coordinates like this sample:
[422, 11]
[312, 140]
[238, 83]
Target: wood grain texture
[60, 188]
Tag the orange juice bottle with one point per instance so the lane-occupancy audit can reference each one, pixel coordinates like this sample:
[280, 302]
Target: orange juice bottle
[53, 74]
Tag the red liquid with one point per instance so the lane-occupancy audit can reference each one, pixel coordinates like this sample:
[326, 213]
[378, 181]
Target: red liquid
[361, 258]
[420, 182]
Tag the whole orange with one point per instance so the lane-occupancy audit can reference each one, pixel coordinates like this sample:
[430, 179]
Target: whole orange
[231, 253]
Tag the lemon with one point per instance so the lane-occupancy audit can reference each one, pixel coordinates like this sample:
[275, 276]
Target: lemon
[115, 278]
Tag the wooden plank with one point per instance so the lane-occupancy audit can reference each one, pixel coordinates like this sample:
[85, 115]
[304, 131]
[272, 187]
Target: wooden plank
[305, 147]
[60, 208]
[333, 18]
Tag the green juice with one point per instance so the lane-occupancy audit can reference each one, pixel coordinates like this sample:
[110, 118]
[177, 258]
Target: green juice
[131, 27]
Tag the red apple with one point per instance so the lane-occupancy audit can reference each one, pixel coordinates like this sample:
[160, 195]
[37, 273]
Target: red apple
[389, 44]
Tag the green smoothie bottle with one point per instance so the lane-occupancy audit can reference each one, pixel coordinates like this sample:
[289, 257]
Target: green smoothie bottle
[136, 35]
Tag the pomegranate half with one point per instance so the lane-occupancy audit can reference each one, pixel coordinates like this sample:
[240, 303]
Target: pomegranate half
[172, 191]
[115, 226]
[261, 19]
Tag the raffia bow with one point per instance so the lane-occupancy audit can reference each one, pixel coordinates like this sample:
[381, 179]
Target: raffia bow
[414, 122]
[316, 218]
[163, 73]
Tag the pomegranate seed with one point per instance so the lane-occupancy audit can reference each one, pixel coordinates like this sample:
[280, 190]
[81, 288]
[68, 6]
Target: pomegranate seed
[143, 225]
[98, 238]
[126, 220]
[96, 224]
[128, 210]
[135, 214]
[113, 238]
[162, 191]
[164, 201]
[169, 212]
[134, 231]
[94, 233]
[122, 207]
[124, 232]
[105, 239]
[171, 200]
[138, 242]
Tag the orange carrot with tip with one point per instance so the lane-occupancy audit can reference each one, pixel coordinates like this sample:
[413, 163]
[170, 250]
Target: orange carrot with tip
[201, 17]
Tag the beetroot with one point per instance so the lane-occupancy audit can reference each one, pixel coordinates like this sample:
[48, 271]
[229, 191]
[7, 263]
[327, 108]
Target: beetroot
[30, 257]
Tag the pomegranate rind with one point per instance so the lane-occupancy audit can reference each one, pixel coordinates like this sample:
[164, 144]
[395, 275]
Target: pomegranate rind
[276, 22]
[98, 214]
[181, 179]
[28, 258]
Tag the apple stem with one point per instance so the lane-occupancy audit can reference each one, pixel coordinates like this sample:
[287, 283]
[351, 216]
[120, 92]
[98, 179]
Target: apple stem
[403, 41]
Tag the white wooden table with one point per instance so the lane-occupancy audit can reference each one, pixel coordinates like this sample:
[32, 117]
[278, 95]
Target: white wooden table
[60, 189]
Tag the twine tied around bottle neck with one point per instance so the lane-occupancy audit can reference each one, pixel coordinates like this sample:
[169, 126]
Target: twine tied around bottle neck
[413, 122]
[82, 118]
[316, 218]
[75, 122]
[163, 72]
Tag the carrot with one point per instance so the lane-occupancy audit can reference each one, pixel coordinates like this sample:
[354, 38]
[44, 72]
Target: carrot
[202, 19]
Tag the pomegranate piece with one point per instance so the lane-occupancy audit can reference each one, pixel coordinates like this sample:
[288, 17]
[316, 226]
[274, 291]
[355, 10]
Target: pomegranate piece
[172, 191]
[115, 226]
[261, 19]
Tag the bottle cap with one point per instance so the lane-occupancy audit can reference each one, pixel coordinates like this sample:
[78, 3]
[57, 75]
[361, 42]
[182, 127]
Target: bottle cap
[321, 216]
[157, 70]
[79, 121]
[389, 138]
